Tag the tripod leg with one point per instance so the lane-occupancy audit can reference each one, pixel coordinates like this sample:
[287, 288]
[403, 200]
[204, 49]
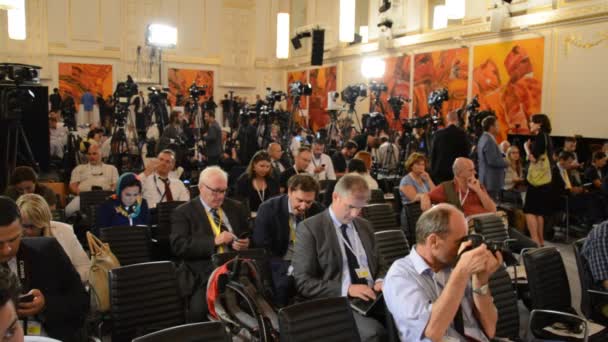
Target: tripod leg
[28, 150]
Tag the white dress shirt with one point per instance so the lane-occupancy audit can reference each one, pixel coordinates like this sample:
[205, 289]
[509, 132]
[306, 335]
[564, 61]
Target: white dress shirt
[153, 189]
[87, 175]
[324, 159]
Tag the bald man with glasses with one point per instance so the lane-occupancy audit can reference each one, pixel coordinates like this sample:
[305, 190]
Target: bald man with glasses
[205, 226]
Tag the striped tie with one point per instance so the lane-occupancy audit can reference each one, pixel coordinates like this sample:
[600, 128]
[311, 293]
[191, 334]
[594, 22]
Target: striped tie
[216, 219]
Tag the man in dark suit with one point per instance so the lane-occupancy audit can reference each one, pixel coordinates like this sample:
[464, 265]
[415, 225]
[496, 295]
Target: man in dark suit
[302, 159]
[491, 161]
[336, 254]
[205, 226]
[275, 229]
[278, 160]
[59, 301]
[213, 139]
[448, 144]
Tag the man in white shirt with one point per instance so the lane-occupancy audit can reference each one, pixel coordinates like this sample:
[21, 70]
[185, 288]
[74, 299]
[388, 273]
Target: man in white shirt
[92, 174]
[321, 165]
[58, 135]
[156, 177]
[388, 154]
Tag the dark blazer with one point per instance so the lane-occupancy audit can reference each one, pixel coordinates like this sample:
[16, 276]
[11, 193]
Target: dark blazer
[245, 191]
[49, 269]
[272, 230]
[448, 144]
[317, 262]
[192, 239]
[492, 164]
[285, 177]
[108, 217]
[213, 140]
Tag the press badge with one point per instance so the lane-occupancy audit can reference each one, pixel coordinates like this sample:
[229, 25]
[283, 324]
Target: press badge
[450, 339]
[31, 327]
[363, 273]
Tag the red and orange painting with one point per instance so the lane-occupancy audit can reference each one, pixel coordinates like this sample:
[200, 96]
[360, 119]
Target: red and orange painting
[440, 69]
[180, 81]
[508, 78]
[397, 80]
[77, 78]
[322, 80]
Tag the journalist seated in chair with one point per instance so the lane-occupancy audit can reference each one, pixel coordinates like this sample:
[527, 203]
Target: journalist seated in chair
[439, 291]
[358, 166]
[206, 225]
[417, 182]
[24, 180]
[336, 254]
[36, 222]
[470, 197]
[256, 184]
[160, 183]
[595, 252]
[86, 177]
[58, 303]
[275, 229]
[126, 207]
[515, 182]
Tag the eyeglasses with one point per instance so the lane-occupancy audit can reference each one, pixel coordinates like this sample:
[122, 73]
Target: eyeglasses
[216, 191]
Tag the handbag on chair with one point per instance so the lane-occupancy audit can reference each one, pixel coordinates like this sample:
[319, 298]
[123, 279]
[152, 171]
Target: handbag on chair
[102, 261]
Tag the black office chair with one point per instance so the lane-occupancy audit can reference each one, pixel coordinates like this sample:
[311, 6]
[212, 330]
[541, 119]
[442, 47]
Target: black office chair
[327, 319]
[144, 298]
[377, 197]
[551, 299]
[491, 227]
[58, 215]
[505, 300]
[398, 207]
[195, 332]
[593, 298]
[327, 188]
[392, 245]
[89, 201]
[130, 244]
[258, 255]
[381, 216]
[412, 214]
[161, 234]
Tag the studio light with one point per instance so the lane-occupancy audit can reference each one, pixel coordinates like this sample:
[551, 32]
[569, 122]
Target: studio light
[162, 36]
[440, 17]
[10, 4]
[282, 35]
[16, 19]
[455, 9]
[295, 41]
[386, 5]
[347, 20]
[373, 67]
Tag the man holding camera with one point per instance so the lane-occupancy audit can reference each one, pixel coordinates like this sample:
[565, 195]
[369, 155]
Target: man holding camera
[439, 292]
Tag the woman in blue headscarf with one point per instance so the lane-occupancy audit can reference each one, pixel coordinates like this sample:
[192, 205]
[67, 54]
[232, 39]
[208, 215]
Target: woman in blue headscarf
[126, 207]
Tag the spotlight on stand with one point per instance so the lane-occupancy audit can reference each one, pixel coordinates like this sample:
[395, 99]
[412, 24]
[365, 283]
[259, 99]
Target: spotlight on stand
[386, 5]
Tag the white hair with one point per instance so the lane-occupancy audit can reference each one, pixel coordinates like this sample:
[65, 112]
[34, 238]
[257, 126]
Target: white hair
[210, 171]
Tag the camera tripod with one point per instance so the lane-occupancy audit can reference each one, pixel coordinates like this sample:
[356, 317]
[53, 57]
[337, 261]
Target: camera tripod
[16, 146]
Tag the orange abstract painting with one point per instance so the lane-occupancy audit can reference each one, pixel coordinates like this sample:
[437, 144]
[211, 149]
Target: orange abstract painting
[508, 78]
[440, 69]
[76, 78]
[180, 81]
[322, 80]
[397, 80]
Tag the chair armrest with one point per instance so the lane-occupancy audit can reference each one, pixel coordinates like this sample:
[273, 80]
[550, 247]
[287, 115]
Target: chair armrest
[598, 292]
[536, 313]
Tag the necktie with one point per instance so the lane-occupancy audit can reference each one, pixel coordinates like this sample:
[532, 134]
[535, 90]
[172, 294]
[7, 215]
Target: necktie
[353, 264]
[168, 194]
[566, 179]
[216, 219]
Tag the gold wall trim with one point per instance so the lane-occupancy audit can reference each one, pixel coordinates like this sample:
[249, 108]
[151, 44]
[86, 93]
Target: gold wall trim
[191, 59]
[58, 51]
[580, 43]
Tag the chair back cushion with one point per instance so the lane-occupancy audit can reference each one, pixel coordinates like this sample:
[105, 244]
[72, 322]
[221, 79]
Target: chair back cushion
[327, 319]
[392, 245]
[381, 216]
[130, 244]
[505, 299]
[547, 280]
[195, 332]
[491, 227]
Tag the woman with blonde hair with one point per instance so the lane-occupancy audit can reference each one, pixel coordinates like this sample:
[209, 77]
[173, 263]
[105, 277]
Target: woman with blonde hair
[36, 220]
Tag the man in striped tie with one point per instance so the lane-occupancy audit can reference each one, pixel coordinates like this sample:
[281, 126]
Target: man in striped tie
[208, 224]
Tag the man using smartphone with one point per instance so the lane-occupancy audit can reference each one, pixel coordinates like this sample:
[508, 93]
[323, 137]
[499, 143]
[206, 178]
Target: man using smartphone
[321, 165]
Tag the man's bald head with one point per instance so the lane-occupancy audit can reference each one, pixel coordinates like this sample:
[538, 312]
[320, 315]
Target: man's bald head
[452, 118]
[463, 168]
[275, 150]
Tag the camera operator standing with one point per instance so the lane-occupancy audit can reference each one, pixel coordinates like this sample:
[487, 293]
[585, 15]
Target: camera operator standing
[448, 144]
[173, 132]
[247, 138]
[213, 139]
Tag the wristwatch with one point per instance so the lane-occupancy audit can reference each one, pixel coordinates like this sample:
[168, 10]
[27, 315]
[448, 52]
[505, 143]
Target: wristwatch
[482, 291]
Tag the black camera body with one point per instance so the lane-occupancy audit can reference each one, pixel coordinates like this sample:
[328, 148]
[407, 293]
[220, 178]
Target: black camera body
[374, 122]
[351, 93]
[157, 94]
[437, 97]
[197, 91]
[493, 246]
[377, 87]
[300, 89]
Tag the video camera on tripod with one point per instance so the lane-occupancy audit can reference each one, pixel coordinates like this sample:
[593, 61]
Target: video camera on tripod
[437, 97]
[122, 95]
[298, 88]
[475, 117]
[351, 93]
[196, 91]
[396, 103]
